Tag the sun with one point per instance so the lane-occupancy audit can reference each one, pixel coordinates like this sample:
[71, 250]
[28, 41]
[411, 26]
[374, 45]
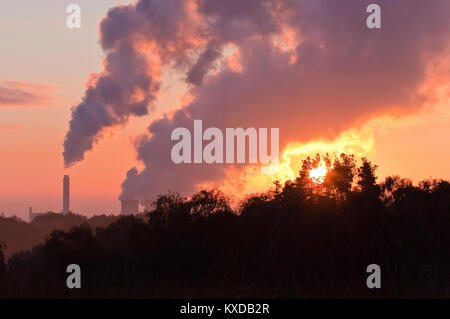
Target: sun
[318, 174]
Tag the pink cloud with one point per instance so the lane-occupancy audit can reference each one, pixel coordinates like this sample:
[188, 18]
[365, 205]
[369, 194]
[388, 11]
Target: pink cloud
[24, 94]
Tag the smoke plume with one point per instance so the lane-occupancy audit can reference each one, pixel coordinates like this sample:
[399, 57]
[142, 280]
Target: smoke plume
[311, 68]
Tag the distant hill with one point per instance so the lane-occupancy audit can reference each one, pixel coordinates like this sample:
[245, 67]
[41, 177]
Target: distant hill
[18, 235]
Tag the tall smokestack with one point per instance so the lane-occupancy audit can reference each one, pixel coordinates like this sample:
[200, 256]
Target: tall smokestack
[66, 194]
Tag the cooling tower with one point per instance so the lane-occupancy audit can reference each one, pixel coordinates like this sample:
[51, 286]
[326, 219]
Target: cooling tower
[130, 207]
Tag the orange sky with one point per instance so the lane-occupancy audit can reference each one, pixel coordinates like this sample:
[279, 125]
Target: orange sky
[59, 61]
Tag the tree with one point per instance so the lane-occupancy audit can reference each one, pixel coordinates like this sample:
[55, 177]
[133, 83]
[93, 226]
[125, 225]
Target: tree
[168, 207]
[367, 179]
[2, 261]
[393, 189]
[207, 202]
[339, 179]
[303, 187]
[303, 181]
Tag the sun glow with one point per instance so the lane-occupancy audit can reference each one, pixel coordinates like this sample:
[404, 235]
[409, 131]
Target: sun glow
[240, 183]
[318, 174]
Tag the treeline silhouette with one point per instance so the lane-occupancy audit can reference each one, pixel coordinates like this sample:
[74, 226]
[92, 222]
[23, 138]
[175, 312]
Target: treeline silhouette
[17, 235]
[300, 240]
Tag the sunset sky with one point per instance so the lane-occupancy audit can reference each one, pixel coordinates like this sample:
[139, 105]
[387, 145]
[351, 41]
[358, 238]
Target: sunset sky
[45, 68]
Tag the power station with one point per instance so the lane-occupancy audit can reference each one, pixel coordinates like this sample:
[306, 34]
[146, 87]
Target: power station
[66, 201]
[32, 215]
[128, 207]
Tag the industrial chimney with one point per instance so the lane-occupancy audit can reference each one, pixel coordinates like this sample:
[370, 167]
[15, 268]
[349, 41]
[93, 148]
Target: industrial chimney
[66, 194]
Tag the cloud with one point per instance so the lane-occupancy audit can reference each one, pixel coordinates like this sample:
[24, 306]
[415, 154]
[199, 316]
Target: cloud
[311, 68]
[23, 94]
[139, 41]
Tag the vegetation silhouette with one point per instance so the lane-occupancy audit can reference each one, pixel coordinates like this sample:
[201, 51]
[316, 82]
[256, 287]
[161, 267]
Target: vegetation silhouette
[18, 235]
[300, 240]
